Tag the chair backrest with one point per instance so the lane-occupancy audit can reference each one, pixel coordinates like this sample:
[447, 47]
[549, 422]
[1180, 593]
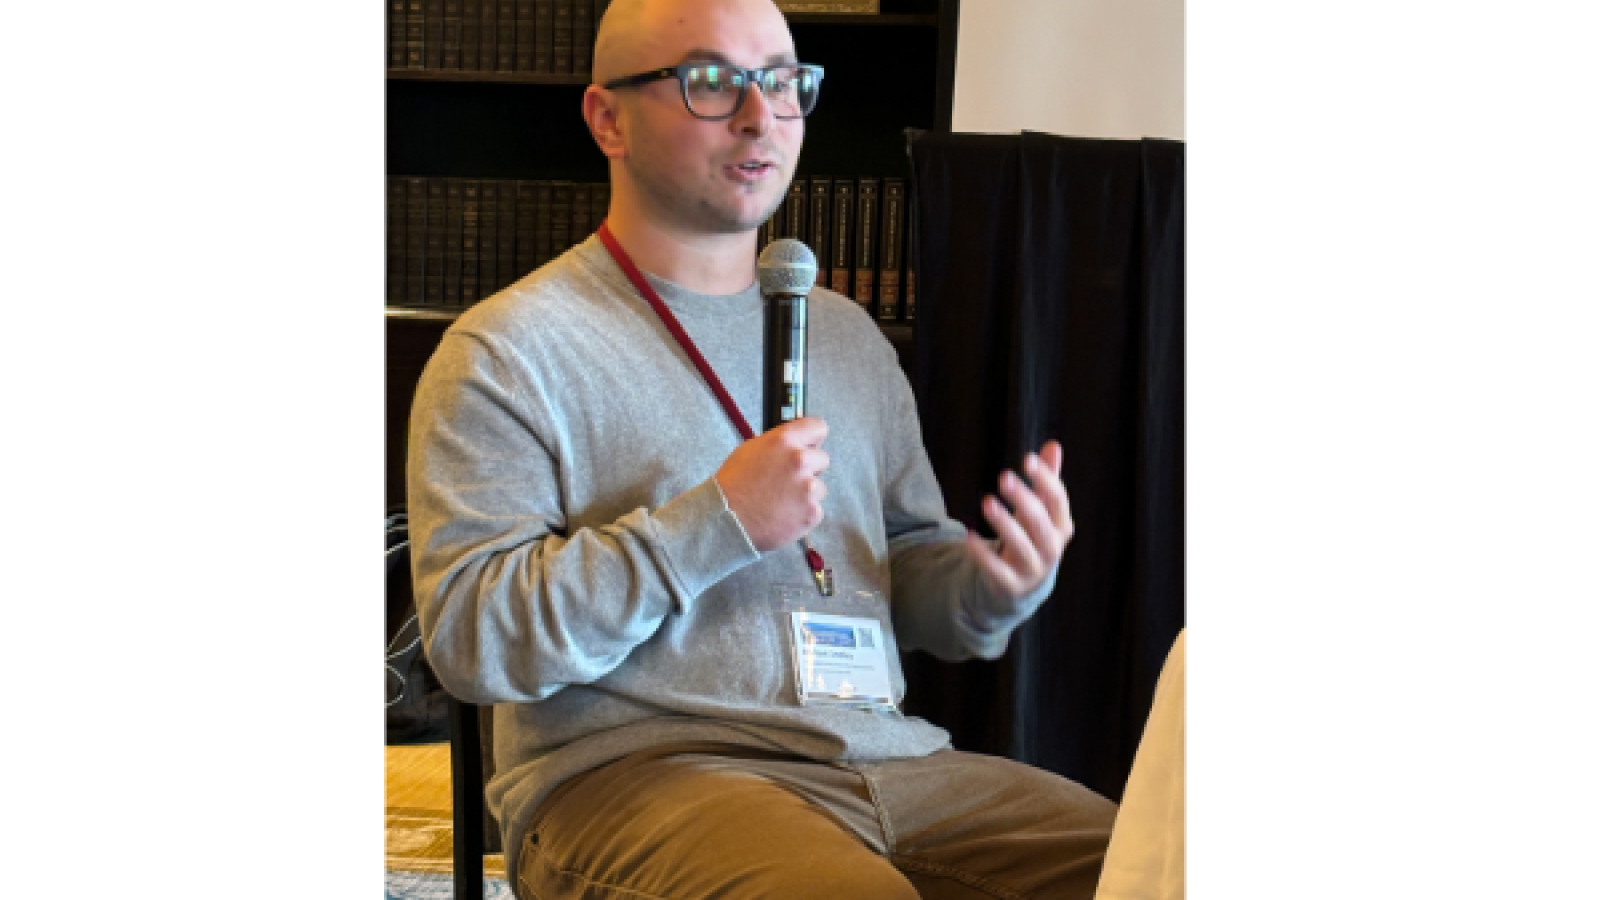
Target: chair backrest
[475, 832]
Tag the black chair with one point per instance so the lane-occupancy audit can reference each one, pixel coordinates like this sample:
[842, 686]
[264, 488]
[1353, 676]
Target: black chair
[475, 832]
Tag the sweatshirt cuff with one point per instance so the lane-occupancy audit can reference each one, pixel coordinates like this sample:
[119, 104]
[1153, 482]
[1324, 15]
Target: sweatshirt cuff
[986, 621]
[702, 540]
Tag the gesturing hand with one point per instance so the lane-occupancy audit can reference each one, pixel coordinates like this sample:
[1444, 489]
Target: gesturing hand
[1032, 541]
[772, 482]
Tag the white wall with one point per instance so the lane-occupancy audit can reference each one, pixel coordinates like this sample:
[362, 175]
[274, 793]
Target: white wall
[1082, 68]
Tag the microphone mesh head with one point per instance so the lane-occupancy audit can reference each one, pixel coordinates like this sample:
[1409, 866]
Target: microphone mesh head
[787, 267]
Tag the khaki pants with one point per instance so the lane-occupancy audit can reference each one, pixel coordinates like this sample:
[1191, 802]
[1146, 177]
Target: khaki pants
[704, 820]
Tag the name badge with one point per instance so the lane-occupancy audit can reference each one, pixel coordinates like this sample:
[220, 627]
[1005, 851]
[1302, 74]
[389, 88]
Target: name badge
[840, 660]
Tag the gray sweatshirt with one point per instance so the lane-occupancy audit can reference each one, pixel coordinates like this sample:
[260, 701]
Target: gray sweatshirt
[577, 565]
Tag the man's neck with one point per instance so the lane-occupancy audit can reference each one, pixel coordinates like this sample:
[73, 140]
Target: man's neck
[706, 264]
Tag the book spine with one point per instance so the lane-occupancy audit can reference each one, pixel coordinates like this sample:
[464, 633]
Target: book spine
[543, 240]
[581, 227]
[469, 242]
[600, 200]
[911, 257]
[561, 36]
[488, 30]
[560, 217]
[544, 13]
[505, 36]
[582, 36]
[434, 283]
[866, 240]
[471, 18]
[506, 232]
[395, 293]
[844, 207]
[432, 34]
[527, 215]
[525, 35]
[452, 242]
[450, 52]
[794, 211]
[398, 22]
[488, 237]
[416, 241]
[416, 29]
[889, 252]
[821, 209]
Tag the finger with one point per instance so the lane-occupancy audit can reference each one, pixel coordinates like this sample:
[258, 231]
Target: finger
[997, 573]
[806, 431]
[1050, 491]
[1032, 515]
[814, 462]
[1019, 552]
[1052, 456]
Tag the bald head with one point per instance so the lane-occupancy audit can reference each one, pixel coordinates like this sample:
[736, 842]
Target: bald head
[635, 35]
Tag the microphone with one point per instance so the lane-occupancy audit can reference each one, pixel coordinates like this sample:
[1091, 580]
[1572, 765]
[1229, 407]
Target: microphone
[787, 270]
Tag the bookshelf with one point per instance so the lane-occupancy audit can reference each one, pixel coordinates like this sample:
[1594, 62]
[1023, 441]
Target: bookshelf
[885, 73]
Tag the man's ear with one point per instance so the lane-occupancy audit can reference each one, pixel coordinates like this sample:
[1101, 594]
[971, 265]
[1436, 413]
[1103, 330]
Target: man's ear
[601, 111]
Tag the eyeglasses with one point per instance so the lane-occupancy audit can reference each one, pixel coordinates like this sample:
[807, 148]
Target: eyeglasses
[716, 91]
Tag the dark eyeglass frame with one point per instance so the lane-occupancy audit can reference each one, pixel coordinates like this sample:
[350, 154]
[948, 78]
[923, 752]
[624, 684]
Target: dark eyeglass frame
[752, 77]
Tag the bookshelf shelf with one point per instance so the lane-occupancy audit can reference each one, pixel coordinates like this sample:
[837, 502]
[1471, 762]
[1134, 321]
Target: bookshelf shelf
[902, 20]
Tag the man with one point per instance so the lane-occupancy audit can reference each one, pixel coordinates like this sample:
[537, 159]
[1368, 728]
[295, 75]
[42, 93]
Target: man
[601, 555]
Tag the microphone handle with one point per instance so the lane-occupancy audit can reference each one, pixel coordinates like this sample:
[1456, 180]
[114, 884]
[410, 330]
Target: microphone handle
[784, 372]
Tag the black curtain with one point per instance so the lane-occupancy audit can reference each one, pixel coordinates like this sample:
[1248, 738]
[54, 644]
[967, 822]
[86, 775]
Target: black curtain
[1050, 305]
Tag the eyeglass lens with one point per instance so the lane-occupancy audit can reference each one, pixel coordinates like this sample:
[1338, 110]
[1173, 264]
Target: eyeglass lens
[715, 90]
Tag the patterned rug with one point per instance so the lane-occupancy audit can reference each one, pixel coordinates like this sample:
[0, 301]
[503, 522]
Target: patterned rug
[417, 829]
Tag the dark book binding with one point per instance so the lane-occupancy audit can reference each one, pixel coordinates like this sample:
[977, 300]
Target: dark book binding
[582, 36]
[544, 13]
[450, 54]
[471, 20]
[561, 36]
[580, 226]
[434, 282]
[488, 30]
[560, 217]
[398, 21]
[469, 242]
[866, 240]
[416, 241]
[527, 238]
[432, 34]
[889, 251]
[526, 26]
[452, 242]
[416, 31]
[395, 232]
[506, 235]
[505, 36]
[844, 210]
[599, 204]
[543, 239]
[820, 210]
[911, 257]
[488, 237]
[794, 211]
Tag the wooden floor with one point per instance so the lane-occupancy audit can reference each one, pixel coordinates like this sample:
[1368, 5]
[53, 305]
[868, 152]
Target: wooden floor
[417, 811]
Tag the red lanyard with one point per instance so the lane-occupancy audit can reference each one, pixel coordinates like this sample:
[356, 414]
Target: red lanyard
[819, 571]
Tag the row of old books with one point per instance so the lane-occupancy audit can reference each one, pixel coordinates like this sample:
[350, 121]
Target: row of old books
[454, 241]
[860, 231]
[535, 36]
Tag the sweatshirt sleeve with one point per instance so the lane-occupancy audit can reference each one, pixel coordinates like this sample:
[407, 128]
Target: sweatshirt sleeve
[937, 595]
[512, 605]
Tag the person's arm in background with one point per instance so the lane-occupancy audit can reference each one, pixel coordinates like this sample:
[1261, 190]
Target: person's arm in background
[512, 606]
[954, 594]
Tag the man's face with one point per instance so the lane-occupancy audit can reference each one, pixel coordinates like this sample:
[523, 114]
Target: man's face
[719, 177]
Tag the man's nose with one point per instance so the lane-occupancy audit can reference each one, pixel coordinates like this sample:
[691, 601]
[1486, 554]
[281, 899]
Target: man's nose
[755, 116]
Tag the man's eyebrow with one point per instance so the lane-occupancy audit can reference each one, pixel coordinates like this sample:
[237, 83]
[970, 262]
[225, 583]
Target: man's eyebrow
[717, 56]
